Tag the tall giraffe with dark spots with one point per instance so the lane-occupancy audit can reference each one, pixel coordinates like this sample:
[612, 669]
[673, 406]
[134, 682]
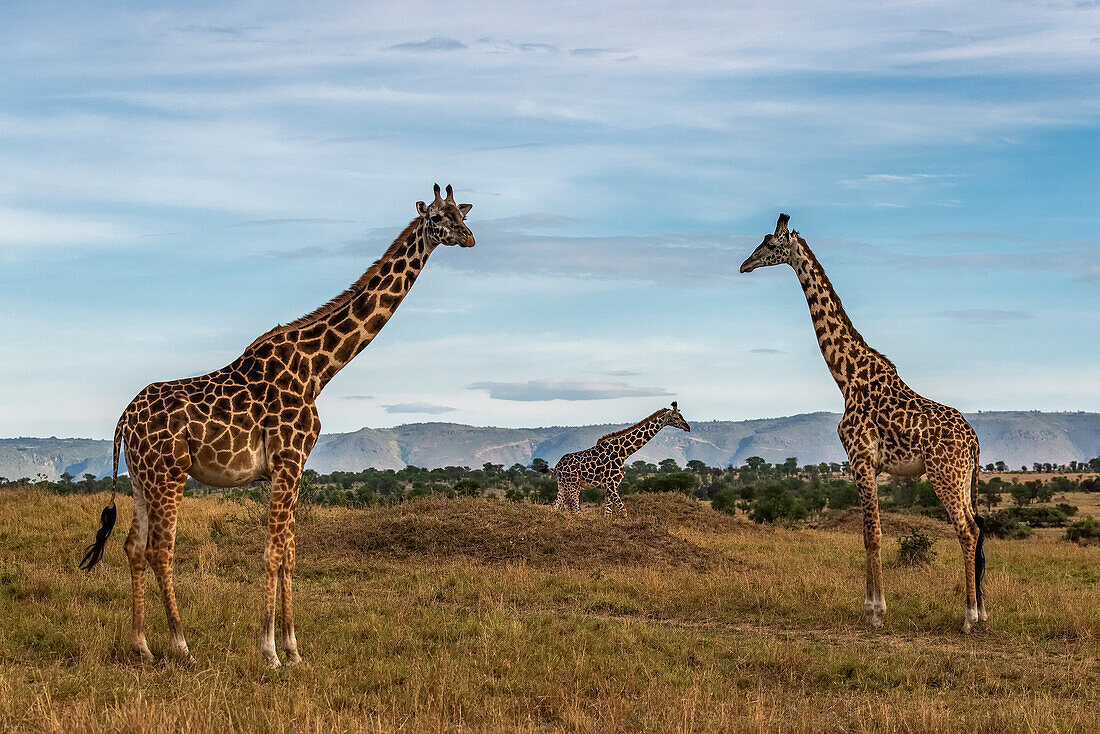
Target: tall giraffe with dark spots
[887, 427]
[256, 418]
[602, 464]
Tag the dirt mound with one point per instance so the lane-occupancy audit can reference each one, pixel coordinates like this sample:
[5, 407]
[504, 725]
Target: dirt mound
[679, 510]
[497, 530]
[893, 524]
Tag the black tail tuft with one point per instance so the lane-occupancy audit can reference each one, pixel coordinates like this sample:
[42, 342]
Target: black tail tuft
[979, 557]
[95, 550]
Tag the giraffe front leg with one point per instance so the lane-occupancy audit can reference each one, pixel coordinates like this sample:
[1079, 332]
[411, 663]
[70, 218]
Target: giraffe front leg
[280, 529]
[290, 642]
[559, 500]
[575, 497]
[613, 503]
[874, 602]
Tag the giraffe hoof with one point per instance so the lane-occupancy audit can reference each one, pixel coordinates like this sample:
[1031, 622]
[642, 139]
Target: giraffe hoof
[272, 661]
[293, 658]
[145, 655]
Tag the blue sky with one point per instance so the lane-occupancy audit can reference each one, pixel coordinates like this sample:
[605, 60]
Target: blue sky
[179, 179]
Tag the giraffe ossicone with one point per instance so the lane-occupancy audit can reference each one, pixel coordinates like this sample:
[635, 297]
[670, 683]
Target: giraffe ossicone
[601, 466]
[254, 419]
[887, 427]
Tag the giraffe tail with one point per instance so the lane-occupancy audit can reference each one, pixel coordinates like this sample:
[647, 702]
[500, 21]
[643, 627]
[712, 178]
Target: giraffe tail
[94, 552]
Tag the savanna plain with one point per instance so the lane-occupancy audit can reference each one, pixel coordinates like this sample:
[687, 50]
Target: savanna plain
[482, 615]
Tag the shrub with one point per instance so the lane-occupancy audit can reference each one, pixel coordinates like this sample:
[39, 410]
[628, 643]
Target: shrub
[1084, 531]
[725, 500]
[1002, 524]
[468, 488]
[915, 549]
[842, 495]
[675, 481]
[1039, 517]
[777, 503]
[1069, 510]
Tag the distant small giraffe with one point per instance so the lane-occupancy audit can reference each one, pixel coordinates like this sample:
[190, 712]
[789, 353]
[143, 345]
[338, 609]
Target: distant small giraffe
[256, 418]
[602, 465]
[887, 427]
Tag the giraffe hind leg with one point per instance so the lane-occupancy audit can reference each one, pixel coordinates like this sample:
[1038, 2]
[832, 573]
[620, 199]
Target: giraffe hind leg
[163, 511]
[979, 568]
[135, 547]
[953, 489]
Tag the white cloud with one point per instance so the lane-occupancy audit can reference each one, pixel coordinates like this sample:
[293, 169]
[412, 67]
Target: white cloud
[574, 389]
[23, 229]
[417, 407]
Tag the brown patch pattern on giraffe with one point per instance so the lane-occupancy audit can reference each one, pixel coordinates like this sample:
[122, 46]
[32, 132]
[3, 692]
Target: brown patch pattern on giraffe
[887, 426]
[256, 419]
[602, 465]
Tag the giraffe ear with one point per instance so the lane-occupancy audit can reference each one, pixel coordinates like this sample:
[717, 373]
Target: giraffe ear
[674, 405]
[421, 208]
[781, 225]
[465, 208]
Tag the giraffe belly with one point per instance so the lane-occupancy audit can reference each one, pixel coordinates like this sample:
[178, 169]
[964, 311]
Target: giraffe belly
[230, 469]
[902, 466]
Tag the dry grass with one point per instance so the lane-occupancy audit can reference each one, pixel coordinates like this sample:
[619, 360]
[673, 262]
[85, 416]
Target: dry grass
[474, 615]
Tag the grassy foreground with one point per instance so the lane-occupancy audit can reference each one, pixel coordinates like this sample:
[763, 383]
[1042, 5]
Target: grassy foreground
[479, 615]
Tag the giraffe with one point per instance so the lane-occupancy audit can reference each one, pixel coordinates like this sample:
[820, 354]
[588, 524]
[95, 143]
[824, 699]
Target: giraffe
[886, 427]
[256, 418]
[602, 464]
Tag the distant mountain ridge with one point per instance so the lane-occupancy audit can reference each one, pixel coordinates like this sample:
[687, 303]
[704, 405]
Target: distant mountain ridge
[1016, 437]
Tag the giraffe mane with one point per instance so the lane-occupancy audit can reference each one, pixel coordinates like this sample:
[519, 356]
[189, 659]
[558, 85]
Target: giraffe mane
[628, 429]
[840, 306]
[353, 290]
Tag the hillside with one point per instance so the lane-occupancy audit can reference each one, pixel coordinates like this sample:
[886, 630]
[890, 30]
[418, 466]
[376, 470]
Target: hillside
[1017, 438]
[474, 615]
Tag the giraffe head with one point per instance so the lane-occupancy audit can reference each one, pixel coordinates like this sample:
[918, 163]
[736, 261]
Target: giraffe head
[674, 419]
[443, 220]
[774, 250]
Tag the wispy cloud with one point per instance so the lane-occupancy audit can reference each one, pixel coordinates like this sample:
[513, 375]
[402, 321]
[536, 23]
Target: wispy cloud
[985, 315]
[419, 407]
[21, 228]
[888, 179]
[358, 397]
[595, 52]
[577, 389]
[289, 220]
[765, 350]
[436, 43]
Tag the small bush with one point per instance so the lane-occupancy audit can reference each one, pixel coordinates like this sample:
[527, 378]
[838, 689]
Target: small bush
[842, 495]
[1084, 531]
[1038, 517]
[777, 503]
[725, 500]
[915, 549]
[1021, 532]
[1003, 524]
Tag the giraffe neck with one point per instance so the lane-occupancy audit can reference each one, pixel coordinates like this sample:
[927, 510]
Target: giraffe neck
[843, 347]
[324, 341]
[641, 434]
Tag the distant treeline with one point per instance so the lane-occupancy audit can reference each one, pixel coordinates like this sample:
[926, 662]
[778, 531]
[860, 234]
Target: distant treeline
[762, 491]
